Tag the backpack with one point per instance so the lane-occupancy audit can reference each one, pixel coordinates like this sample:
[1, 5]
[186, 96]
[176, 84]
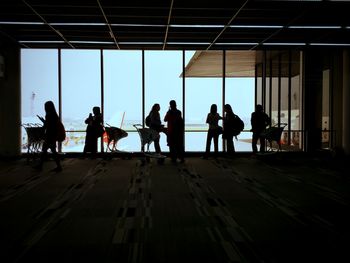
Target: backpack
[148, 121]
[238, 125]
[61, 132]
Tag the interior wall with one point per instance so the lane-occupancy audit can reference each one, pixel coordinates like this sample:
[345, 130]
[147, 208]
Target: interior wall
[10, 94]
[346, 102]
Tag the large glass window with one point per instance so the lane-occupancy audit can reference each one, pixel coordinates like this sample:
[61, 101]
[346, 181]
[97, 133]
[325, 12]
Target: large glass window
[39, 80]
[268, 88]
[296, 101]
[285, 94]
[163, 82]
[259, 84]
[240, 94]
[325, 109]
[81, 91]
[203, 88]
[274, 90]
[123, 94]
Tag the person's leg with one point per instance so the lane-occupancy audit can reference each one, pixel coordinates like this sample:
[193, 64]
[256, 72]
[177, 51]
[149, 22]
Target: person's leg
[156, 145]
[262, 143]
[255, 141]
[43, 155]
[56, 157]
[230, 147]
[207, 148]
[216, 144]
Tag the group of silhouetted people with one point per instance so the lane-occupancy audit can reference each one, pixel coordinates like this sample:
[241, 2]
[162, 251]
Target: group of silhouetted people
[174, 130]
[259, 121]
[54, 130]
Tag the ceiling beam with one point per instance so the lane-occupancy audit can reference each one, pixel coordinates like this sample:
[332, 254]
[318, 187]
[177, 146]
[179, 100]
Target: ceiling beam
[279, 30]
[109, 26]
[168, 23]
[46, 23]
[227, 25]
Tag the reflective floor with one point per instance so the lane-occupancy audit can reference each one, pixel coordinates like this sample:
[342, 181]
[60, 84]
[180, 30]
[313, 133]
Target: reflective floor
[270, 208]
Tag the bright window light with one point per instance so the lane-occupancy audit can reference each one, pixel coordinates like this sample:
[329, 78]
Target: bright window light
[20, 23]
[187, 43]
[284, 44]
[77, 24]
[138, 25]
[197, 26]
[93, 42]
[140, 43]
[255, 26]
[236, 44]
[329, 44]
[41, 41]
[315, 27]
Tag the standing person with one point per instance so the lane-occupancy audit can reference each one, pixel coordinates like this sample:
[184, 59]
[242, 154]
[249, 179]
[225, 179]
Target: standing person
[259, 121]
[175, 133]
[229, 128]
[155, 124]
[50, 122]
[94, 130]
[214, 130]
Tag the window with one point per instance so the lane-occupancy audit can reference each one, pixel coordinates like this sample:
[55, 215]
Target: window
[39, 78]
[123, 94]
[163, 82]
[81, 91]
[202, 90]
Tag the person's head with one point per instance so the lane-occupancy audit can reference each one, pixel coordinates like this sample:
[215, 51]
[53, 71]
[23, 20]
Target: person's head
[50, 107]
[259, 108]
[213, 109]
[96, 110]
[227, 108]
[155, 107]
[172, 104]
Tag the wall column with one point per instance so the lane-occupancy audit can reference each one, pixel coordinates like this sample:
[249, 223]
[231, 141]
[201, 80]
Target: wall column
[10, 101]
[346, 102]
[312, 108]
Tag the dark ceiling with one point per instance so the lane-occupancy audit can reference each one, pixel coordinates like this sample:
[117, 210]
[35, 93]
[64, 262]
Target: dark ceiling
[177, 24]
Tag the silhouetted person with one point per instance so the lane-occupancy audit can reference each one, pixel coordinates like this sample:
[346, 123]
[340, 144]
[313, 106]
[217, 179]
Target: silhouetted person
[214, 130]
[259, 120]
[156, 124]
[175, 133]
[51, 134]
[228, 128]
[94, 130]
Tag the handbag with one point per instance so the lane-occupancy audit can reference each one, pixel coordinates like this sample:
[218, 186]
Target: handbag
[220, 130]
[61, 132]
[100, 130]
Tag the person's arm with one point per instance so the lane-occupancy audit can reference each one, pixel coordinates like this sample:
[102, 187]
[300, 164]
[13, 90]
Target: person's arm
[207, 121]
[166, 117]
[88, 119]
[41, 118]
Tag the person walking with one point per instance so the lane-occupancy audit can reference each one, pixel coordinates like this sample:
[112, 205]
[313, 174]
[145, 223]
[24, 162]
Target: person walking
[214, 130]
[156, 125]
[259, 121]
[175, 132]
[51, 124]
[228, 133]
[94, 130]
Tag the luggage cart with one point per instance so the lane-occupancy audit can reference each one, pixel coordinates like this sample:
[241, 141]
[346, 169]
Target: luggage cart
[274, 133]
[147, 136]
[114, 134]
[36, 136]
[111, 137]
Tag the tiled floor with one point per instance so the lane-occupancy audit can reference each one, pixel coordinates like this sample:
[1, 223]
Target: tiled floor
[265, 209]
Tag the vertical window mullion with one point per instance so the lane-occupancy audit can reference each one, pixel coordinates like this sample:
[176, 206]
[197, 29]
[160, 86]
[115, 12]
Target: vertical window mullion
[59, 92]
[102, 93]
